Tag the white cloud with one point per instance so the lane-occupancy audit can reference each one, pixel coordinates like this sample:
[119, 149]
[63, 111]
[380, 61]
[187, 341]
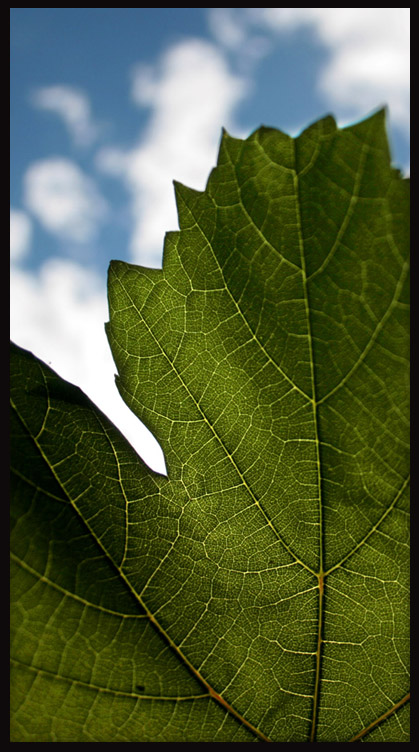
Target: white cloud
[59, 315]
[232, 29]
[64, 199]
[20, 234]
[192, 94]
[228, 25]
[369, 54]
[73, 107]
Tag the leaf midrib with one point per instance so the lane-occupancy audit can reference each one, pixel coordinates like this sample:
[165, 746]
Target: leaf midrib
[320, 574]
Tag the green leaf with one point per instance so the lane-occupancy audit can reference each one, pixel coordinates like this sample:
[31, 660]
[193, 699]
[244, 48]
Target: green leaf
[259, 591]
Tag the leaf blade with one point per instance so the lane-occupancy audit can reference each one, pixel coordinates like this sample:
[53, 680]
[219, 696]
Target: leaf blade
[269, 357]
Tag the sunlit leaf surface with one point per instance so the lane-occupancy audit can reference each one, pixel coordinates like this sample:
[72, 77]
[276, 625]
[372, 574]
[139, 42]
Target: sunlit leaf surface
[259, 591]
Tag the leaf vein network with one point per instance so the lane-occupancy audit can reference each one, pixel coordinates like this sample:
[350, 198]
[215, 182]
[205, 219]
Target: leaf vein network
[108, 690]
[374, 528]
[254, 336]
[375, 334]
[219, 440]
[66, 593]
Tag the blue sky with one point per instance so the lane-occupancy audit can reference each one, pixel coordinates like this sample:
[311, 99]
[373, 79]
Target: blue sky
[109, 105]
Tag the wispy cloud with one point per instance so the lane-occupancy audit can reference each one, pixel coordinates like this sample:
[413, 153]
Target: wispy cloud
[229, 26]
[20, 235]
[191, 93]
[73, 107]
[368, 63]
[64, 199]
[234, 31]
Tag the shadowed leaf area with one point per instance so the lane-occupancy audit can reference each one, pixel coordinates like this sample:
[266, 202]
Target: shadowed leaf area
[259, 592]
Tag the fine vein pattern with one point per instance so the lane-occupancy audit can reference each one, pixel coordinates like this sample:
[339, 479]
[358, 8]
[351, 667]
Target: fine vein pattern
[258, 593]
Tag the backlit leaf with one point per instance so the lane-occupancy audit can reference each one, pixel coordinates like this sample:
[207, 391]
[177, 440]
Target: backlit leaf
[259, 592]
